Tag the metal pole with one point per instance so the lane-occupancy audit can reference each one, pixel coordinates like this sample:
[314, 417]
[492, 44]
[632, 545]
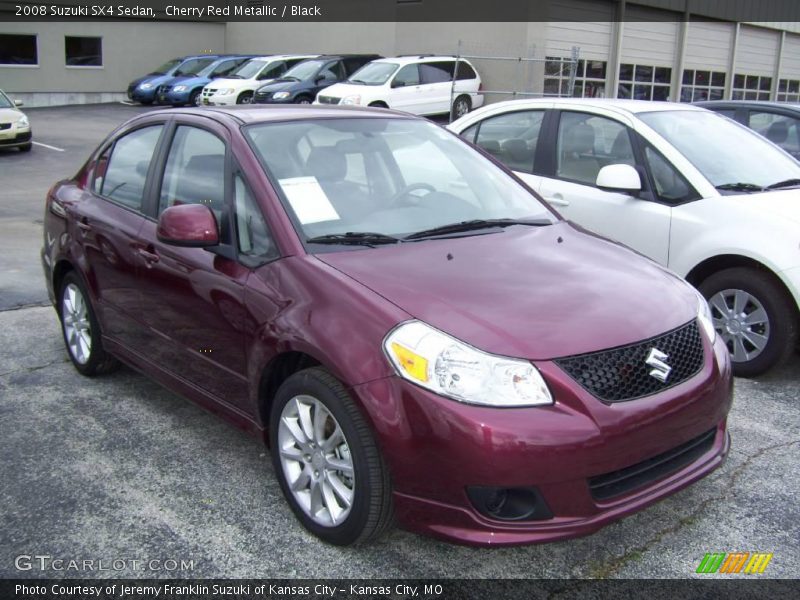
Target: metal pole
[453, 81]
[573, 69]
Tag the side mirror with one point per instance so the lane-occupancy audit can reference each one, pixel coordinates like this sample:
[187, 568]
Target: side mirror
[188, 225]
[397, 84]
[619, 178]
[19, 103]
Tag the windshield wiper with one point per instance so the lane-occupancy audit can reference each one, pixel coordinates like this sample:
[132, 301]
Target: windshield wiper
[356, 81]
[784, 184]
[739, 187]
[234, 77]
[288, 78]
[474, 225]
[356, 238]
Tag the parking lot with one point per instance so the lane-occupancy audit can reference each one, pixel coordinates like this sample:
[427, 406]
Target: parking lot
[118, 468]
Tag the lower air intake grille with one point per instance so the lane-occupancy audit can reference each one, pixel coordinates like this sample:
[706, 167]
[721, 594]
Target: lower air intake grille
[604, 487]
[623, 373]
[328, 100]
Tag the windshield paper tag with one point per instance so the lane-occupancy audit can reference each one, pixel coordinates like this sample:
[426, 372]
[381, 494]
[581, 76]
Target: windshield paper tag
[308, 200]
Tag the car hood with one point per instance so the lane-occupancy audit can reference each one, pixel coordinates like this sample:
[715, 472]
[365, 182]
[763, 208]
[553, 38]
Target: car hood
[189, 80]
[530, 292]
[236, 83]
[347, 89]
[784, 204]
[10, 115]
[155, 80]
[279, 85]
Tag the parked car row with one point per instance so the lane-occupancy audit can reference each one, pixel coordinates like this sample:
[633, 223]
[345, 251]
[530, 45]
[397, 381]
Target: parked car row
[15, 129]
[419, 84]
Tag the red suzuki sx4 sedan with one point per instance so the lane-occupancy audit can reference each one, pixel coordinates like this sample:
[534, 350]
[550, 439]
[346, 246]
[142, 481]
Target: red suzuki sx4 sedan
[414, 334]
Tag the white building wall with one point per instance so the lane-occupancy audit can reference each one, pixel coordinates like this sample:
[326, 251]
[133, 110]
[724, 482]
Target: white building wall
[757, 52]
[708, 45]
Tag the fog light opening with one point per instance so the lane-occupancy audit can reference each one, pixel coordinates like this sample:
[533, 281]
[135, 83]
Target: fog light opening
[509, 504]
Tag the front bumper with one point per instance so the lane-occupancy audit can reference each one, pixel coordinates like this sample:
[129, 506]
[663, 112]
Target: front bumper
[173, 97]
[15, 136]
[436, 448]
[140, 95]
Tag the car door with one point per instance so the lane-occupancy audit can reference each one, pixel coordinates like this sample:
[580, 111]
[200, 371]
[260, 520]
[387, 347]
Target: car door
[108, 221]
[581, 145]
[405, 90]
[193, 298]
[512, 138]
[436, 80]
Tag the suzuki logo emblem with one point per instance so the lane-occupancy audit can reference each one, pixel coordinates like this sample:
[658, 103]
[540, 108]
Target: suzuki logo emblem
[661, 369]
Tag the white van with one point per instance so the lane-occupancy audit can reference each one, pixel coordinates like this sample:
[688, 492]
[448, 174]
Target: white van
[239, 86]
[419, 84]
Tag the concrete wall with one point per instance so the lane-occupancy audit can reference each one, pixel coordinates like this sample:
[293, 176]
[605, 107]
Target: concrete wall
[129, 51]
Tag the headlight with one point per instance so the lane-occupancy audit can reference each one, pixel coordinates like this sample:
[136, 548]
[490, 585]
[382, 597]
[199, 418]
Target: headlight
[351, 100]
[224, 92]
[146, 86]
[23, 121]
[179, 88]
[449, 367]
[280, 95]
[704, 317]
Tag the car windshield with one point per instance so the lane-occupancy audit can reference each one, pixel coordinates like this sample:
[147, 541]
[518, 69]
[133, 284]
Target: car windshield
[209, 68]
[166, 67]
[387, 177]
[304, 70]
[5, 102]
[730, 156]
[194, 66]
[374, 73]
[250, 69]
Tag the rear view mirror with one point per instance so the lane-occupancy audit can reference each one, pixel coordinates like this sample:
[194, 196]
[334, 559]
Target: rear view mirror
[619, 178]
[188, 225]
[19, 103]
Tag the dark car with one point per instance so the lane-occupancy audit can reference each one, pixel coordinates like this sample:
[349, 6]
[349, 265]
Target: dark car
[301, 83]
[410, 328]
[144, 88]
[186, 88]
[777, 121]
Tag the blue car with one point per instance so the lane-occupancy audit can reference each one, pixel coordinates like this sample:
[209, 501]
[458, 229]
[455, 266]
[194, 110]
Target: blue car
[186, 89]
[144, 89]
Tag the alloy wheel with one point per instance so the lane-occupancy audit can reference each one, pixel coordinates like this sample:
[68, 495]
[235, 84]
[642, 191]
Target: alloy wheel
[742, 322]
[316, 460]
[77, 327]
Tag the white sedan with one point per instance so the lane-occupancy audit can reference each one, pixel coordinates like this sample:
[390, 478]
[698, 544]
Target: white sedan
[691, 189]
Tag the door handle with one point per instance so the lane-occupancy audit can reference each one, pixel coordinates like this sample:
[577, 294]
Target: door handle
[83, 225]
[557, 200]
[149, 257]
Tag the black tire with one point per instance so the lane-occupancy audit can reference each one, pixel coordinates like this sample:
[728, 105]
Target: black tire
[303, 100]
[370, 513]
[245, 98]
[461, 106]
[98, 361]
[193, 97]
[26, 147]
[147, 102]
[781, 332]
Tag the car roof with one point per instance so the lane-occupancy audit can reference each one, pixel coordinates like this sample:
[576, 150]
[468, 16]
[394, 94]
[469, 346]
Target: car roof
[283, 56]
[246, 114]
[405, 59]
[616, 104]
[749, 103]
[334, 56]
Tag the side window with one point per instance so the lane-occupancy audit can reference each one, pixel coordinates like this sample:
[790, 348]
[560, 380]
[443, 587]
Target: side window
[512, 138]
[726, 112]
[252, 235]
[469, 133]
[195, 171]
[465, 71]
[351, 65]
[671, 186]
[408, 75]
[586, 143]
[333, 71]
[272, 71]
[778, 129]
[436, 72]
[225, 67]
[122, 176]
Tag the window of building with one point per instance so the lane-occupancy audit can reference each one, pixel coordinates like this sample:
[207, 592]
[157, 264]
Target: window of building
[702, 85]
[644, 82]
[590, 78]
[83, 51]
[18, 49]
[788, 90]
[751, 87]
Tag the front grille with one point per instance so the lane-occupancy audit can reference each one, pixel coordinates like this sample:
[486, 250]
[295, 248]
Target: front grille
[263, 95]
[621, 374]
[163, 89]
[328, 99]
[5, 126]
[616, 483]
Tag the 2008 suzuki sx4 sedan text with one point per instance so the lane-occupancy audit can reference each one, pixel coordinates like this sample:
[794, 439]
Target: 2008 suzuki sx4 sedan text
[413, 332]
